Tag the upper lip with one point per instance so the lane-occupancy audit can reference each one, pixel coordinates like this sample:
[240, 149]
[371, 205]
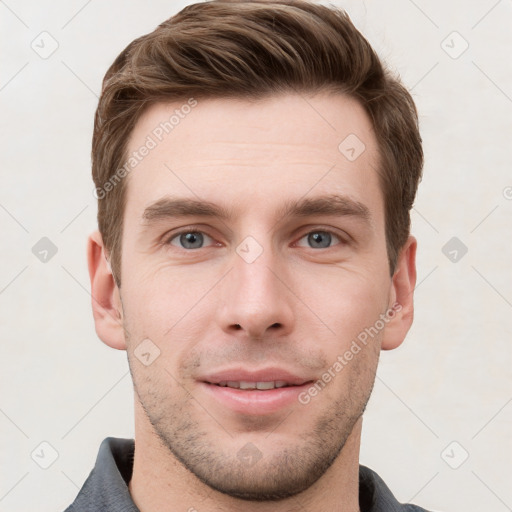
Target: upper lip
[263, 375]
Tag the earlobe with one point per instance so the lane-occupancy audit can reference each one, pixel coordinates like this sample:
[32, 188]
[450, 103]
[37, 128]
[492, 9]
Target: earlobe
[401, 297]
[106, 302]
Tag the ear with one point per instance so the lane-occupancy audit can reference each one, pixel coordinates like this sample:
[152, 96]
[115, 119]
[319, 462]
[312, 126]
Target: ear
[106, 300]
[401, 297]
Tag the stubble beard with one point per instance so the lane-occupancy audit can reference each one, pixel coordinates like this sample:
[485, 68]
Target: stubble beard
[281, 472]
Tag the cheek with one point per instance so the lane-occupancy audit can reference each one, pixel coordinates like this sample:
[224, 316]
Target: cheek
[163, 296]
[345, 301]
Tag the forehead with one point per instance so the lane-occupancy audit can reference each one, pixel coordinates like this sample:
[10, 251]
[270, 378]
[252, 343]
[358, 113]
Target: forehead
[239, 153]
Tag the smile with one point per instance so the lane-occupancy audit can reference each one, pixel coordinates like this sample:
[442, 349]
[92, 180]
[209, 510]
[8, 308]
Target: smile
[254, 385]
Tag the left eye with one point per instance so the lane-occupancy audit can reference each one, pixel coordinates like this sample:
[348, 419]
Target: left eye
[189, 239]
[320, 239]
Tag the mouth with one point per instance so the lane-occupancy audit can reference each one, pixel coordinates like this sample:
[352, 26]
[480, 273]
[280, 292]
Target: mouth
[255, 393]
[247, 385]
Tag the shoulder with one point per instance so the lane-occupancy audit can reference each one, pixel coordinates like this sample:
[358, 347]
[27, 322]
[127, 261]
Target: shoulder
[375, 495]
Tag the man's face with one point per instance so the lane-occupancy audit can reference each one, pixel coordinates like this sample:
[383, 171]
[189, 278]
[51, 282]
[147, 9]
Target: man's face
[269, 288]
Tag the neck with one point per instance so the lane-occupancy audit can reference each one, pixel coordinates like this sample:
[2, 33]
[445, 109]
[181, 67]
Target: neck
[160, 483]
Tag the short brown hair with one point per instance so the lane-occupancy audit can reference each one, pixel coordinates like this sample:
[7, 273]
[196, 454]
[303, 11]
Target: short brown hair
[253, 49]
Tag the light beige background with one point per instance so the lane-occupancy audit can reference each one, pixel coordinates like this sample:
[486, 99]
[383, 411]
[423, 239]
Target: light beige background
[451, 381]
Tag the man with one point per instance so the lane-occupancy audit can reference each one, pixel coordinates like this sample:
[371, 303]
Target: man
[255, 166]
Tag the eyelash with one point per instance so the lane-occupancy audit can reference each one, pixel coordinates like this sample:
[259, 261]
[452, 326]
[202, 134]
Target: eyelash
[196, 229]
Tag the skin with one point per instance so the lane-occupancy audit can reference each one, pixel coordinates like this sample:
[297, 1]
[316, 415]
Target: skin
[299, 305]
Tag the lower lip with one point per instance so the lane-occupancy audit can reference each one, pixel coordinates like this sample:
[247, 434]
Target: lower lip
[255, 401]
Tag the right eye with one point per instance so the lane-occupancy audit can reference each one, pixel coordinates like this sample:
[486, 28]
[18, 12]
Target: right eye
[188, 239]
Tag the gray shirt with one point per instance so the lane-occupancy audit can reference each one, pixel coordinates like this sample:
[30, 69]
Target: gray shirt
[106, 488]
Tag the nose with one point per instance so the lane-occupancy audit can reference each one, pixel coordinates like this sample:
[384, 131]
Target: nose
[257, 299]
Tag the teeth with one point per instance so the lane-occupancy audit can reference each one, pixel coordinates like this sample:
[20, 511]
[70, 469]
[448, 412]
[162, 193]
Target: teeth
[254, 385]
[265, 385]
[248, 385]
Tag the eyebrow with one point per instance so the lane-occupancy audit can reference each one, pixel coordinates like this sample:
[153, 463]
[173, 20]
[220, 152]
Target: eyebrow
[334, 204]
